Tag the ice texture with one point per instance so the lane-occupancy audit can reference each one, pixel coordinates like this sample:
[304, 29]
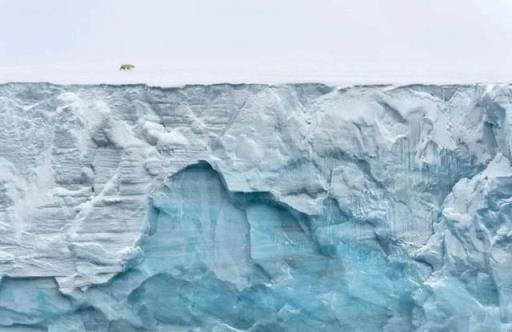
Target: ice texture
[300, 207]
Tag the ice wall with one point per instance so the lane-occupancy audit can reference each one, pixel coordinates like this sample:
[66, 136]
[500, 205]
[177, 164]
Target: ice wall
[298, 207]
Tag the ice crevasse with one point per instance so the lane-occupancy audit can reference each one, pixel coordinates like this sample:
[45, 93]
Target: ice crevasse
[294, 207]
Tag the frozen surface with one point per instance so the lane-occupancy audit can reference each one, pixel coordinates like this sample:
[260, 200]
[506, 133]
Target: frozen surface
[255, 208]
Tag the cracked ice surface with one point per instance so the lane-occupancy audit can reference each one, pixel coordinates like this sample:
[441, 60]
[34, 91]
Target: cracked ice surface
[255, 208]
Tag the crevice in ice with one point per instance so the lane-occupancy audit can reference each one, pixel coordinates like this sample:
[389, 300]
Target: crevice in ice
[393, 112]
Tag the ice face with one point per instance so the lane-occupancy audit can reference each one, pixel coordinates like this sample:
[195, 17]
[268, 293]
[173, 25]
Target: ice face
[252, 207]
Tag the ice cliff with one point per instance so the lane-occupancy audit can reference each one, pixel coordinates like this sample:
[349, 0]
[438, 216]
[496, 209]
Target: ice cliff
[298, 207]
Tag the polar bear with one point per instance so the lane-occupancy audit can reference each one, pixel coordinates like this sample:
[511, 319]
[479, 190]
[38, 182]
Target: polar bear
[126, 67]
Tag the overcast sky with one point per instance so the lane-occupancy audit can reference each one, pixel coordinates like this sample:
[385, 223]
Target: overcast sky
[248, 39]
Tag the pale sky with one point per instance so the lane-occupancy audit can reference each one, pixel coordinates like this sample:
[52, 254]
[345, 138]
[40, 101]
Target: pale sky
[192, 41]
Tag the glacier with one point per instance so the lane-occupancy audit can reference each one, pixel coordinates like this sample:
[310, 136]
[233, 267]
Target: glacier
[254, 207]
